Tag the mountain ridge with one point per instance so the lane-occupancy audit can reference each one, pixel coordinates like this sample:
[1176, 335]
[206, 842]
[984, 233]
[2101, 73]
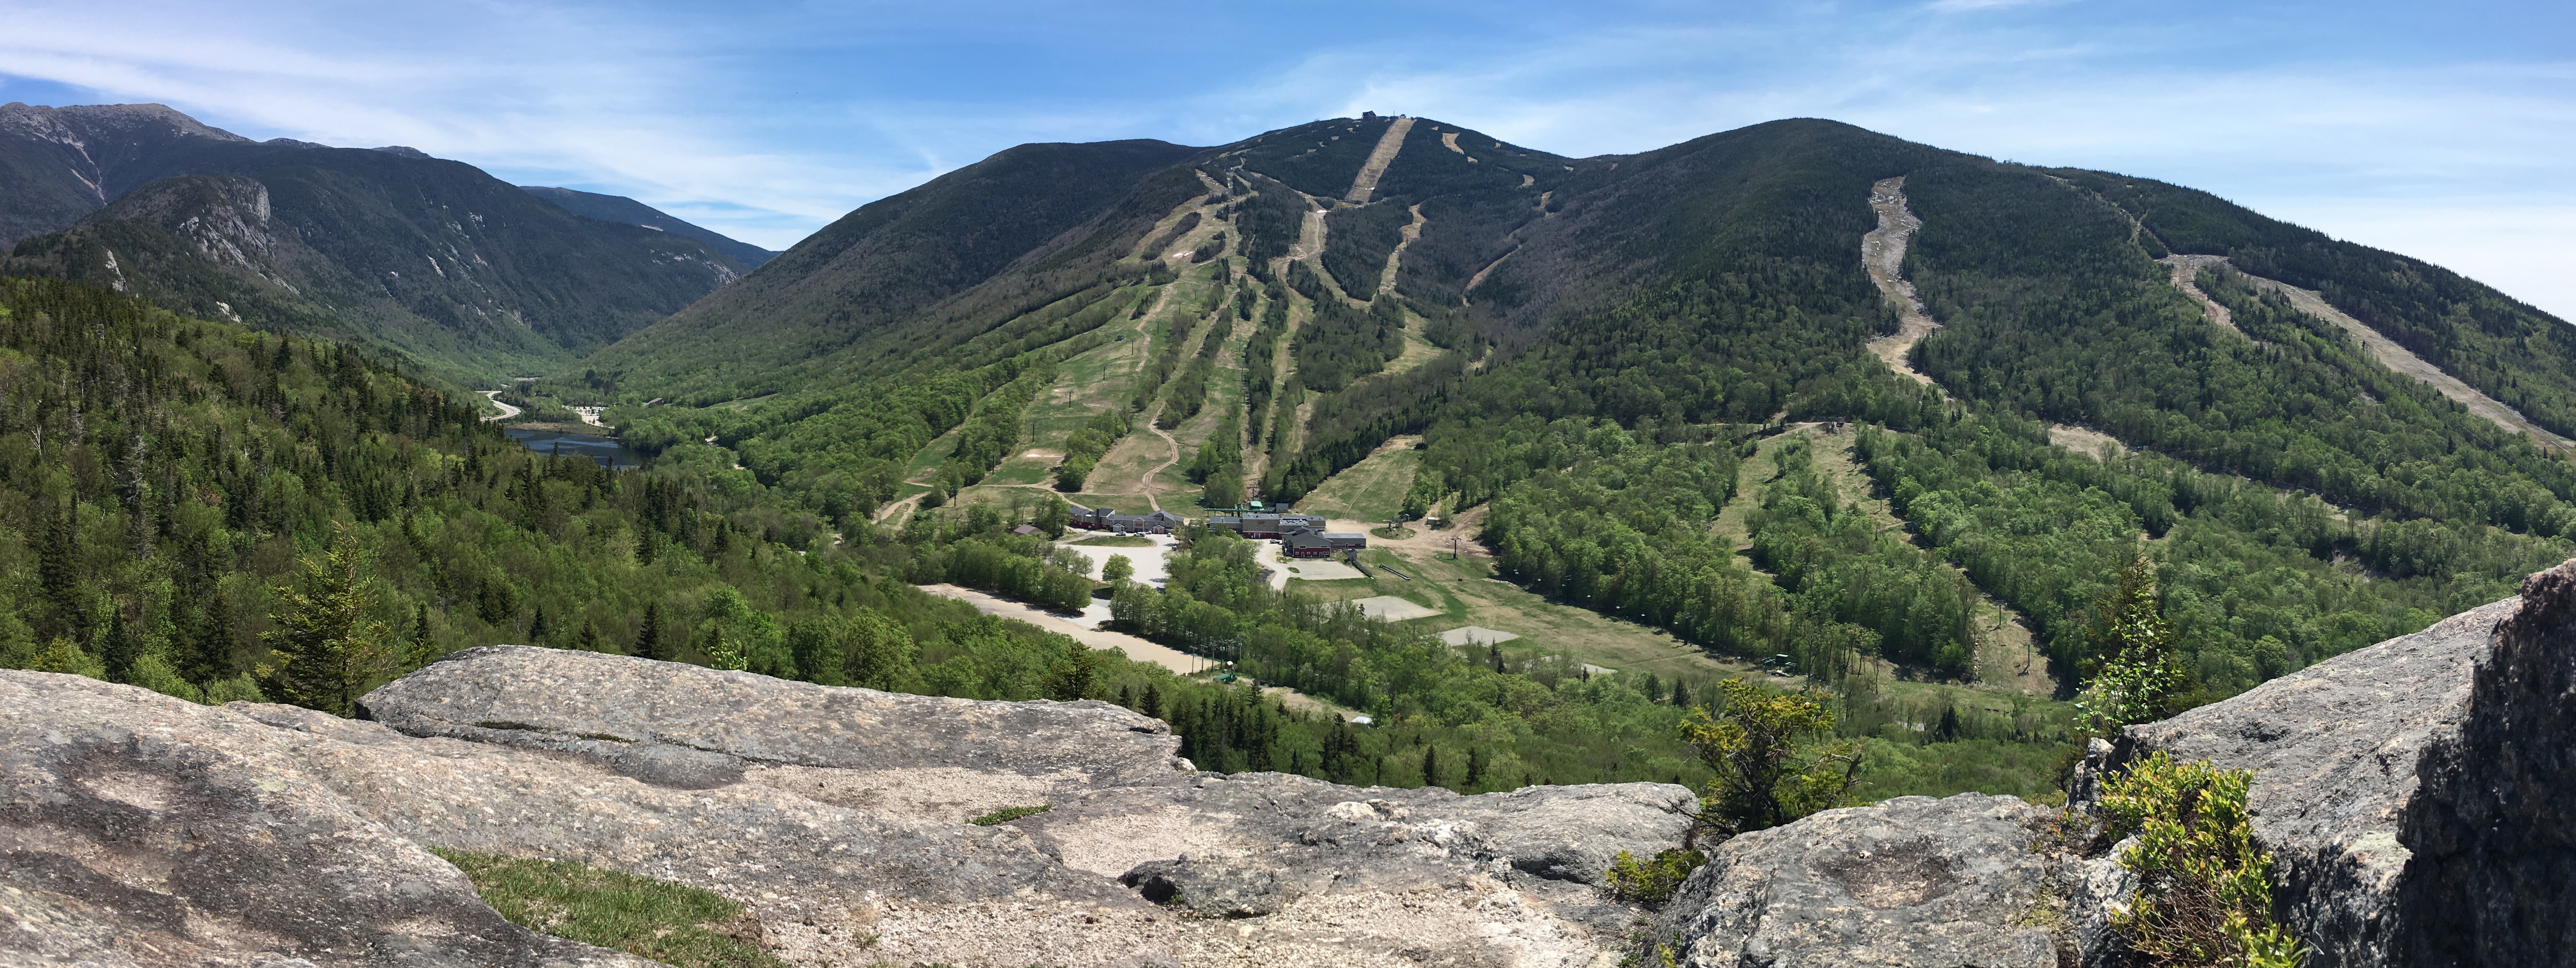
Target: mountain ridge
[430, 261]
[622, 210]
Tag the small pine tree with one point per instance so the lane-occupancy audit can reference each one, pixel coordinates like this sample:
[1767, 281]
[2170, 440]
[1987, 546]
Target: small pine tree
[1151, 703]
[1475, 766]
[210, 646]
[649, 639]
[424, 646]
[2142, 679]
[328, 649]
[1431, 766]
[118, 647]
[58, 572]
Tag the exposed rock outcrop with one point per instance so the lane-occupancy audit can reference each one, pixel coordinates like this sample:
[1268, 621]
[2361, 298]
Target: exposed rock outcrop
[137, 829]
[836, 815]
[2334, 748]
[2494, 842]
[1960, 881]
[2416, 795]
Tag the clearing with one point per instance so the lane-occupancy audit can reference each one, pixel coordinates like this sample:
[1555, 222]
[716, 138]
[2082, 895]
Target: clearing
[1372, 490]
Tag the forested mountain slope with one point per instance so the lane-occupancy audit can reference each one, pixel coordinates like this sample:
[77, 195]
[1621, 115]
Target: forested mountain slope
[627, 211]
[430, 262]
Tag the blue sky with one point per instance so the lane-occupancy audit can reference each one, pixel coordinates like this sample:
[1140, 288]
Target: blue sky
[2443, 131]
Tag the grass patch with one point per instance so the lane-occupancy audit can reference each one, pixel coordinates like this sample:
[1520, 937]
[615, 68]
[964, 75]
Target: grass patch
[1008, 814]
[1117, 541]
[1371, 490]
[671, 923]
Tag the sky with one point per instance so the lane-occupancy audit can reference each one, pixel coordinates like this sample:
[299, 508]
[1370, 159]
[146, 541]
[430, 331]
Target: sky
[2443, 131]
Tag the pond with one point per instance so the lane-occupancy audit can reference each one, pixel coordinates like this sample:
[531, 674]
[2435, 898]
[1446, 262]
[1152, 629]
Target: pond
[606, 450]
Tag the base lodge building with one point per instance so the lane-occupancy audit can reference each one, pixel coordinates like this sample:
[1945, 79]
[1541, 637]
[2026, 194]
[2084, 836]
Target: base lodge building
[1104, 519]
[1302, 534]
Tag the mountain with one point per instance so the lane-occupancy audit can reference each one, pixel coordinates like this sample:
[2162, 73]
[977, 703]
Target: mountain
[430, 261]
[1032, 220]
[627, 211]
[1631, 373]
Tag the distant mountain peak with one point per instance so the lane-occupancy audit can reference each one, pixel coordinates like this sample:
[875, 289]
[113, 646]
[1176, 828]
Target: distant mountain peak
[78, 120]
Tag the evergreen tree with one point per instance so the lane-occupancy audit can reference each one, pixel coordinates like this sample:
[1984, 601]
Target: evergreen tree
[2142, 680]
[649, 639]
[328, 648]
[424, 646]
[1073, 676]
[1151, 703]
[58, 571]
[209, 655]
[1054, 516]
[119, 648]
[1773, 756]
[1431, 766]
[1475, 766]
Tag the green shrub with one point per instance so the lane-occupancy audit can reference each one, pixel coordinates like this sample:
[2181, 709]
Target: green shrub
[1653, 881]
[2204, 889]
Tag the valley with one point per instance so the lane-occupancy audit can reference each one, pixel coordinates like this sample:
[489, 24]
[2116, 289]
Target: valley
[1674, 432]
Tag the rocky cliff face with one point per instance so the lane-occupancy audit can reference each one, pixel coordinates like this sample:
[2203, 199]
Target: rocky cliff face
[144, 830]
[2493, 840]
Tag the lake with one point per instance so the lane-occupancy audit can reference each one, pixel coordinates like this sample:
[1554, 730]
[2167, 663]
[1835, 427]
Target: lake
[605, 450]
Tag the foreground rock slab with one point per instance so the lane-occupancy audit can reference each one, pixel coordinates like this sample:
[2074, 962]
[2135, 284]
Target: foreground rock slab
[837, 816]
[137, 829]
[1948, 883]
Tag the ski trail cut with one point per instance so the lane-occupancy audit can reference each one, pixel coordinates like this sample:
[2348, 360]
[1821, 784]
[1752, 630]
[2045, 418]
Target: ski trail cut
[1883, 251]
[1395, 259]
[2403, 360]
[2186, 277]
[1387, 146]
[1479, 278]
